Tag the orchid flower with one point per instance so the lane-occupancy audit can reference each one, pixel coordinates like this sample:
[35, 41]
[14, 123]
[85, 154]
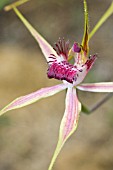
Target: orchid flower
[71, 75]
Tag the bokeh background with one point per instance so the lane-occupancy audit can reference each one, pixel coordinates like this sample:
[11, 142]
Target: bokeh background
[28, 136]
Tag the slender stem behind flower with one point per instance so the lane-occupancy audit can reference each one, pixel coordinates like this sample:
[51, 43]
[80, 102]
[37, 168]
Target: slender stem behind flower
[101, 102]
[88, 111]
[106, 15]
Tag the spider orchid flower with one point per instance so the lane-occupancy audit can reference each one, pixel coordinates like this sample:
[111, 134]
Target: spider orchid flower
[71, 75]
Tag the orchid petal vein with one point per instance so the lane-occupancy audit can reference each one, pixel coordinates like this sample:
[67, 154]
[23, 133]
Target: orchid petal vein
[33, 97]
[69, 122]
[97, 87]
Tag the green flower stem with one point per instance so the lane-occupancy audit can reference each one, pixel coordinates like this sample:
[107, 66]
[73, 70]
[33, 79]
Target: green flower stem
[106, 15]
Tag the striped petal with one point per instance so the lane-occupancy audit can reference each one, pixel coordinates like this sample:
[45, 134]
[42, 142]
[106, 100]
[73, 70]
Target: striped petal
[97, 87]
[44, 45]
[33, 97]
[69, 121]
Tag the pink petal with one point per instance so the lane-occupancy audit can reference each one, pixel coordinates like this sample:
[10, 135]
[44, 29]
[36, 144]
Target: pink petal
[44, 45]
[97, 87]
[69, 121]
[71, 115]
[33, 97]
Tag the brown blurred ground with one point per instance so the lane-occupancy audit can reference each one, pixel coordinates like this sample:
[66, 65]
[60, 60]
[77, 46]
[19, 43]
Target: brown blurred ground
[28, 136]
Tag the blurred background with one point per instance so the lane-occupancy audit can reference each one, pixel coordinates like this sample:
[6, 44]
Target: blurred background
[28, 136]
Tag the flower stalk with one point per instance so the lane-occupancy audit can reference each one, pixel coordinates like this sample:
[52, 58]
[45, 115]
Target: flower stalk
[106, 15]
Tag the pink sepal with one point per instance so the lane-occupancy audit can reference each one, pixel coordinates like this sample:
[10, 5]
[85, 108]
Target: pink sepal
[97, 87]
[33, 97]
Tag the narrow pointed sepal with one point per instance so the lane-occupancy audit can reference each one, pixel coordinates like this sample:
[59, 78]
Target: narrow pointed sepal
[69, 121]
[85, 40]
[44, 45]
[97, 87]
[33, 97]
[83, 49]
